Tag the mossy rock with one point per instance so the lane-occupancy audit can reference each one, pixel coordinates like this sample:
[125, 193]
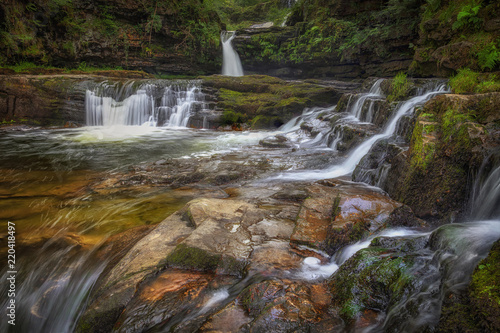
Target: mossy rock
[484, 291]
[452, 134]
[186, 257]
[478, 308]
[374, 278]
[265, 101]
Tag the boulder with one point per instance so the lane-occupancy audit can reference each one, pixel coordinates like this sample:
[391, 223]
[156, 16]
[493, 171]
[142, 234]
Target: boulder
[337, 214]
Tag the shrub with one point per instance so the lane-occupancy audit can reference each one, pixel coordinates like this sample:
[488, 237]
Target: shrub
[468, 81]
[465, 81]
[489, 56]
[467, 17]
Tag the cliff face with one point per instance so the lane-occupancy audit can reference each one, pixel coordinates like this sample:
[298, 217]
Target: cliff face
[345, 39]
[352, 39]
[168, 36]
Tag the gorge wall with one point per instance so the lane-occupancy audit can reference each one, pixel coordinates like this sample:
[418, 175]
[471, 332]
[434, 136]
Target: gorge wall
[178, 37]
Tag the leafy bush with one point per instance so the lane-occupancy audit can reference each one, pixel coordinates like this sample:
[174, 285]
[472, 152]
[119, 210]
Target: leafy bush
[465, 81]
[489, 56]
[468, 81]
[467, 17]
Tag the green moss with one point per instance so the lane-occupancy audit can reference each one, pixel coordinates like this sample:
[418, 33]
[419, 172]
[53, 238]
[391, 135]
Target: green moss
[485, 284]
[399, 89]
[193, 258]
[370, 279]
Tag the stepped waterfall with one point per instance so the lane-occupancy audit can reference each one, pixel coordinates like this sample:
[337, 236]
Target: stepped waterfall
[231, 64]
[88, 202]
[143, 104]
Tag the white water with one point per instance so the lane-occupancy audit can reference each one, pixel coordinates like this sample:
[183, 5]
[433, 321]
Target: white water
[149, 105]
[375, 93]
[486, 203]
[231, 64]
[313, 270]
[348, 166]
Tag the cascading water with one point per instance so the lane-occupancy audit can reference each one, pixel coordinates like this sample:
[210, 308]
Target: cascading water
[349, 164]
[231, 64]
[486, 197]
[148, 104]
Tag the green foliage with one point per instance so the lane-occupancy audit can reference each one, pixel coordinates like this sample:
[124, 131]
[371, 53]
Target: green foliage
[489, 56]
[84, 67]
[465, 81]
[467, 17]
[399, 89]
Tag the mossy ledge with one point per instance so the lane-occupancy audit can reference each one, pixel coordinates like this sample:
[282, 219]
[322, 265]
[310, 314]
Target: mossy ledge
[264, 101]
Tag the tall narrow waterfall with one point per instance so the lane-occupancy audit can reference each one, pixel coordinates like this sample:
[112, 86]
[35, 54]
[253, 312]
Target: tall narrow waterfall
[231, 64]
[147, 104]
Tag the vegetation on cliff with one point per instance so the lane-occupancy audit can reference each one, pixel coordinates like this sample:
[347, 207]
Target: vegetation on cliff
[147, 34]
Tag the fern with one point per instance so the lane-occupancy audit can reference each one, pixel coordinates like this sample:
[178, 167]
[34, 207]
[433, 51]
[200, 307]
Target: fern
[468, 17]
[488, 57]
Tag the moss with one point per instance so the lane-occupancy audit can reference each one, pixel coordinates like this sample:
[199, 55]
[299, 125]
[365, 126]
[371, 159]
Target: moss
[484, 291]
[371, 279]
[265, 101]
[187, 257]
[399, 89]
[477, 309]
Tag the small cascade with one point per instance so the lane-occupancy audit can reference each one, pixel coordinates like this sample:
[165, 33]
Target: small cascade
[486, 196]
[349, 164]
[143, 104]
[356, 107]
[231, 64]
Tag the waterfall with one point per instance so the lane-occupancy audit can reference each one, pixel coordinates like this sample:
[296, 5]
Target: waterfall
[486, 199]
[348, 166]
[231, 64]
[357, 107]
[143, 104]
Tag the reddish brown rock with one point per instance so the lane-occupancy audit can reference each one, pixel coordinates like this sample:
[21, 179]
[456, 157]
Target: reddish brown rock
[338, 213]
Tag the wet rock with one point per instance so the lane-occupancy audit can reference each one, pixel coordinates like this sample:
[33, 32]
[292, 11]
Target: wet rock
[119, 285]
[277, 141]
[370, 280]
[163, 301]
[337, 214]
[403, 216]
[353, 134]
[265, 101]
[452, 135]
[282, 305]
[44, 100]
[231, 319]
[478, 308]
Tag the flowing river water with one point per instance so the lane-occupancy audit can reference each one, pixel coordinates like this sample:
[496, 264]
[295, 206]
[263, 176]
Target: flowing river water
[50, 189]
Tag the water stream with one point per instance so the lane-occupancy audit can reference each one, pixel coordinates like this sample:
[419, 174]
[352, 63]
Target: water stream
[47, 174]
[231, 64]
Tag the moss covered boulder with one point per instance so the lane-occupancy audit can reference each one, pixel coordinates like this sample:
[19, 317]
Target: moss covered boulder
[451, 137]
[265, 101]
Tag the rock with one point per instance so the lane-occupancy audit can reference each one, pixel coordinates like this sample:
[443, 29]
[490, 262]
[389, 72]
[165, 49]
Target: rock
[282, 305]
[277, 141]
[262, 25]
[403, 216]
[44, 100]
[370, 280]
[451, 137]
[337, 214]
[265, 101]
[119, 285]
[478, 308]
